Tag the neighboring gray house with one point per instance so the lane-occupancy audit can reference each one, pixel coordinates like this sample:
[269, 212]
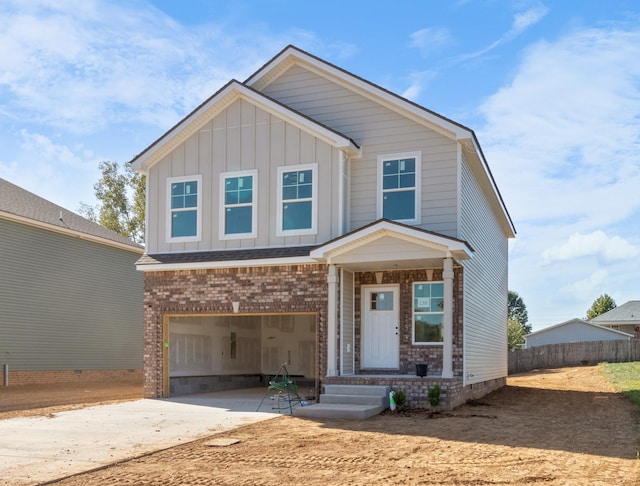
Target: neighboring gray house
[70, 295]
[309, 216]
[573, 331]
[625, 317]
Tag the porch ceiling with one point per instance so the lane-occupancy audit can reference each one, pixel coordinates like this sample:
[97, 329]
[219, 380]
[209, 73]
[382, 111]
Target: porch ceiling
[386, 245]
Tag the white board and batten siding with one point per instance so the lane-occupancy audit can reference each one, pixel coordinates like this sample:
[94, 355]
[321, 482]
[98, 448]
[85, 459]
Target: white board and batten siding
[67, 303]
[485, 284]
[379, 131]
[244, 137]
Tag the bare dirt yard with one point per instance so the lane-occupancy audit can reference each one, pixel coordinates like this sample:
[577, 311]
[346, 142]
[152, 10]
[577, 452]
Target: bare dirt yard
[553, 427]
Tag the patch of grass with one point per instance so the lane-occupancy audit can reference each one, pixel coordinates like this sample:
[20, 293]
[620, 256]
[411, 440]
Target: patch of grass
[625, 377]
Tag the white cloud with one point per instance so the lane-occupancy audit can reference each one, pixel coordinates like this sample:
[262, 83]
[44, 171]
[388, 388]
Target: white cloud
[418, 82]
[589, 287]
[431, 40]
[596, 244]
[83, 65]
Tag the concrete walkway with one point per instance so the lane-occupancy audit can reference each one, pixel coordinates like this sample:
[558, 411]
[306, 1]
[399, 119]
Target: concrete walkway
[40, 449]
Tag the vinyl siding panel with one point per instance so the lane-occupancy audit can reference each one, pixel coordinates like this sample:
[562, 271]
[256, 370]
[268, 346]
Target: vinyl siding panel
[572, 332]
[67, 303]
[347, 339]
[485, 285]
[378, 130]
[244, 137]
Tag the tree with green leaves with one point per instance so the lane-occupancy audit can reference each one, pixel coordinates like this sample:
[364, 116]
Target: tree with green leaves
[515, 334]
[121, 201]
[517, 324]
[602, 304]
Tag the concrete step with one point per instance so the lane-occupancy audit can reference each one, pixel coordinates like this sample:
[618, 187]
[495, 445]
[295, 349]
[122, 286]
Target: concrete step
[337, 411]
[375, 390]
[372, 400]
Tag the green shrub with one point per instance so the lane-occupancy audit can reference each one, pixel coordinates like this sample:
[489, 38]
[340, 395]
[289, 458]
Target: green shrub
[400, 397]
[434, 396]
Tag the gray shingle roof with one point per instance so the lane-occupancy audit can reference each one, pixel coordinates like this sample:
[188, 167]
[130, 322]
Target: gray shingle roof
[629, 312]
[23, 204]
[225, 255]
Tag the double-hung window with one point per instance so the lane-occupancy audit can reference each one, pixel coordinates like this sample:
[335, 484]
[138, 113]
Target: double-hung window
[428, 312]
[238, 197]
[184, 208]
[399, 187]
[297, 200]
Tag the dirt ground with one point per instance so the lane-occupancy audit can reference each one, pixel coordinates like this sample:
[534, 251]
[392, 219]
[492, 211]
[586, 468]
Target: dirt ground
[555, 427]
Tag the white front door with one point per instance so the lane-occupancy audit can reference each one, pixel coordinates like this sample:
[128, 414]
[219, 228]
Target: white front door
[380, 327]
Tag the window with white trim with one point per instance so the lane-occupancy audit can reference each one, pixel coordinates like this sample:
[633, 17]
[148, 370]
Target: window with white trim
[184, 208]
[399, 187]
[238, 197]
[297, 200]
[428, 312]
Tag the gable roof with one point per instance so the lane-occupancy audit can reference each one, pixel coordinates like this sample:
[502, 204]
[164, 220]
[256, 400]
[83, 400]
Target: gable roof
[292, 55]
[627, 313]
[221, 99]
[20, 205]
[579, 321]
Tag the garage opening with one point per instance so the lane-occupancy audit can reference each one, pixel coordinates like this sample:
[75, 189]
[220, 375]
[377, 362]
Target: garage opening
[215, 353]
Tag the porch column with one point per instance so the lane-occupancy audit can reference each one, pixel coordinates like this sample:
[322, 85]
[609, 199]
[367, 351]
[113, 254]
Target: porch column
[332, 317]
[447, 348]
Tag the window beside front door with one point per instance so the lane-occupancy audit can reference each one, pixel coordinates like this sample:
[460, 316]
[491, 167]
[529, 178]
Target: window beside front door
[428, 312]
[399, 187]
[184, 208]
[238, 196]
[297, 200]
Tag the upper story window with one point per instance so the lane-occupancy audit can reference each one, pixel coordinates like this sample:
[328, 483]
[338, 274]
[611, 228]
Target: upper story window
[238, 197]
[399, 187]
[428, 312]
[297, 200]
[184, 213]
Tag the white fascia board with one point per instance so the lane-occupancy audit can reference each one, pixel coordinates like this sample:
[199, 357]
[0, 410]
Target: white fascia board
[70, 232]
[162, 267]
[385, 228]
[211, 108]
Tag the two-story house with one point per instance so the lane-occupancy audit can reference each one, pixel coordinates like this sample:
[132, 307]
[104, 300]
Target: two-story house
[309, 216]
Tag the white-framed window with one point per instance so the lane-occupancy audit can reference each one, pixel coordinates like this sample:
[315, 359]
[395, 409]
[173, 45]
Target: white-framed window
[297, 200]
[399, 187]
[238, 204]
[428, 312]
[184, 208]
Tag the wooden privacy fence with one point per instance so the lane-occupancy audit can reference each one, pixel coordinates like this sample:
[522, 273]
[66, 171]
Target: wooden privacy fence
[573, 354]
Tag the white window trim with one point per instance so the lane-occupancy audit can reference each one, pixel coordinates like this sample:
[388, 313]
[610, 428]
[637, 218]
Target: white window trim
[254, 205]
[314, 201]
[413, 316]
[169, 211]
[418, 200]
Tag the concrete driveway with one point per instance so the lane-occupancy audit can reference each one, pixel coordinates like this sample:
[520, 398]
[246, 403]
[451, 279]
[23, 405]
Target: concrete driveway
[40, 449]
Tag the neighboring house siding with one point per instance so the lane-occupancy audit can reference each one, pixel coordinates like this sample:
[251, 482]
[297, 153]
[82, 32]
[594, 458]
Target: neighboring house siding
[485, 285]
[378, 130]
[67, 303]
[244, 137]
[572, 333]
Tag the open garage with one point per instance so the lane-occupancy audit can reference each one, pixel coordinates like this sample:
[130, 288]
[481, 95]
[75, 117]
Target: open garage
[224, 352]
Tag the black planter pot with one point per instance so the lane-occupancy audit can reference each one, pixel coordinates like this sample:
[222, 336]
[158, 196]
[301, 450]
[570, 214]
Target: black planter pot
[421, 370]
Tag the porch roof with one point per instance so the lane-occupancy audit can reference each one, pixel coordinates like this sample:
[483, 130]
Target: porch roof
[388, 245]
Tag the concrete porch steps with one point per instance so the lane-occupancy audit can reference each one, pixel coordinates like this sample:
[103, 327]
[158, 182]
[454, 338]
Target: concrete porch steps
[350, 402]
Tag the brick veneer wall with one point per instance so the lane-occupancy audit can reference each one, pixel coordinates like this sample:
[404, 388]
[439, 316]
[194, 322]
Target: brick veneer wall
[259, 290]
[411, 354]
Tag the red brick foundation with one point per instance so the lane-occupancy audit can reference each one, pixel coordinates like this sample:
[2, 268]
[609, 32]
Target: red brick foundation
[133, 376]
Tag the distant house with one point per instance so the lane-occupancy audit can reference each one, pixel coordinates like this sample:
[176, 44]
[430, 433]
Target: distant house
[70, 295]
[625, 317]
[573, 331]
[309, 216]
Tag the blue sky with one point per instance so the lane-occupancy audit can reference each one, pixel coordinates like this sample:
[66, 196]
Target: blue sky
[552, 89]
